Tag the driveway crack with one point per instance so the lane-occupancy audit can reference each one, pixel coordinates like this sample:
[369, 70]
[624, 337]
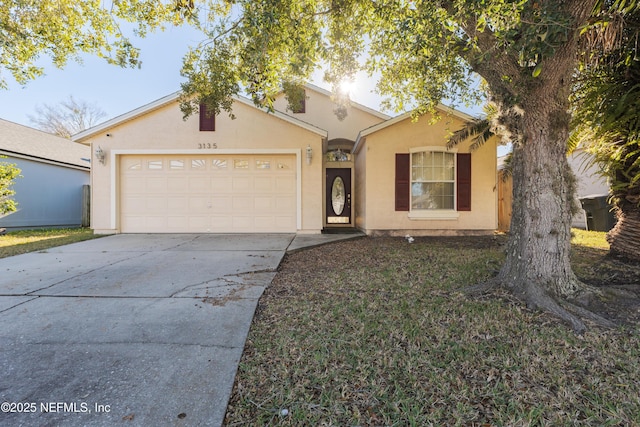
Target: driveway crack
[205, 284]
[84, 273]
[181, 244]
[242, 280]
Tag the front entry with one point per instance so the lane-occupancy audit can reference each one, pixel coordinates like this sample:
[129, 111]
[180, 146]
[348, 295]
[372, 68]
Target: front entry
[338, 200]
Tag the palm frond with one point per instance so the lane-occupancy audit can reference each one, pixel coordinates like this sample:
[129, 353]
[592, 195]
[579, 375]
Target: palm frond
[507, 166]
[477, 129]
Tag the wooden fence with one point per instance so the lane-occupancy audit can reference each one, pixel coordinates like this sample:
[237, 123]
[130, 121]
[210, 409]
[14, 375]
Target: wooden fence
[505, 197]
[86, 206]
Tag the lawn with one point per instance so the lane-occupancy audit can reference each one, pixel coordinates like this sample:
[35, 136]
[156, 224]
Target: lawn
[23, 241]
[373, 332]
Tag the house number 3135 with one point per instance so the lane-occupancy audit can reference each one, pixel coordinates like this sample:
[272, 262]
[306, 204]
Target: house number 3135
[208, 145]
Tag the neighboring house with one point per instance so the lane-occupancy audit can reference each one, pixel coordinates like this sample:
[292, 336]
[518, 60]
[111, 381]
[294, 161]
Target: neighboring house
[589, 184]
[300, 171]
[54, 171]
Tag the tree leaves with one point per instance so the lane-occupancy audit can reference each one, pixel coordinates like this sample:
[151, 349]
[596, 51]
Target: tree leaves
[8, 173]
[606, 101]
[61, 30]
[537, 70]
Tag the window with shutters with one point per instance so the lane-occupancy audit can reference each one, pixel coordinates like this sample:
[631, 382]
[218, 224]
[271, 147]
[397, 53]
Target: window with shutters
[433, 183]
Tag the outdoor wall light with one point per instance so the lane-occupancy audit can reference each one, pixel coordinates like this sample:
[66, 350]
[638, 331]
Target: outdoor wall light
[101, 155]
[309, 154]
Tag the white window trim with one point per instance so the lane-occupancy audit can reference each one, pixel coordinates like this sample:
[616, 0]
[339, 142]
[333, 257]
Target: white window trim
[434, 214]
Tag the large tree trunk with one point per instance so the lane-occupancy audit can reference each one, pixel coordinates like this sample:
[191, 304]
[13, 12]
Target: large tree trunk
[534, 114]
[537, 267]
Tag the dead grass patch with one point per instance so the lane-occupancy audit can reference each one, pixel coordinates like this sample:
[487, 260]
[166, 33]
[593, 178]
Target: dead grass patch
[372, 332]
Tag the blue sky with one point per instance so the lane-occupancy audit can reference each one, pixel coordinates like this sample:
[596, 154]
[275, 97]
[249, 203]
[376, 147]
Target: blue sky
[119, 90]
[116, 90]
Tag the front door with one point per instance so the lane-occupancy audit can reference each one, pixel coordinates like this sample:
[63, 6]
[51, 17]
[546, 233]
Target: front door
[338, 200]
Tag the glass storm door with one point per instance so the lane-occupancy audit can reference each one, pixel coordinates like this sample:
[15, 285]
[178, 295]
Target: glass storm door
[338, 200]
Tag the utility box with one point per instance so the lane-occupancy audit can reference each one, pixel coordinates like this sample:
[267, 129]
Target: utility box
[598, 213]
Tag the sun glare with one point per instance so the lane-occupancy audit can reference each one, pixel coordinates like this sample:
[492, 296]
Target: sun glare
[347, 86]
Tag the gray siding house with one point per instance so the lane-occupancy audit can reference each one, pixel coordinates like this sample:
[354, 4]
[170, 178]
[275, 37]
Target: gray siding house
[54, 171]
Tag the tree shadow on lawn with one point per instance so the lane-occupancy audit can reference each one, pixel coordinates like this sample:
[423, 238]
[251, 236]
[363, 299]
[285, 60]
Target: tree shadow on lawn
[617, 278]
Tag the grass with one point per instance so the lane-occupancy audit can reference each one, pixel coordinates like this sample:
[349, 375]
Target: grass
[589, 239]
[372, 332]
[23, 241]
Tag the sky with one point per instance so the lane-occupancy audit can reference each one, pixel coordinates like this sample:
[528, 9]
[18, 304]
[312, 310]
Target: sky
[119, 90]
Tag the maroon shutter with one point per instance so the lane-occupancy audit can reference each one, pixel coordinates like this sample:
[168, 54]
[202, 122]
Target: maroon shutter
[403, 181]
[207, 120]
[463, 181]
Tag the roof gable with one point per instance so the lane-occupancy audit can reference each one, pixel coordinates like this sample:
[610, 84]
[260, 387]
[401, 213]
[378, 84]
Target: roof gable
[352, 104]
[34, 144]
[407, 116]
[320, 109]
[173, 98]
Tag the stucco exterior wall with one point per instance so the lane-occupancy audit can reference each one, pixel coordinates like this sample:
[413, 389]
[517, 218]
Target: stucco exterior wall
[377, 153]
[48, 195]
[319, 111]
[360, 196]
[163, 131]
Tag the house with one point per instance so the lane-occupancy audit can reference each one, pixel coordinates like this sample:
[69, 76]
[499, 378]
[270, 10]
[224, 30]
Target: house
[294, 170]
[54, 174]
[589, 182]
[407, 181]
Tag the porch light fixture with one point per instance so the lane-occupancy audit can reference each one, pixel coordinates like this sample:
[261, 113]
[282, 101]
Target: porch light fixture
[101, 155]
[309, 154]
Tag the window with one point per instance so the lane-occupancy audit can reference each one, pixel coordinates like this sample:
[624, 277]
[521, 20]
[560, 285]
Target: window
[219, 164]
[207, 119]
[432, 183]
[154, 164]
[176, 164]
[284, 164]
[198, 164]
[263, 164]
[240, 164]
[432, 180]
[135, 165]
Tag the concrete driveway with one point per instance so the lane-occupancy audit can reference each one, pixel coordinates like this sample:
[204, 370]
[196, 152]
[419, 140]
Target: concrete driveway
[129, 329]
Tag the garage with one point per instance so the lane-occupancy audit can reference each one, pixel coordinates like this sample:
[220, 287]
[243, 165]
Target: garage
[209, 193]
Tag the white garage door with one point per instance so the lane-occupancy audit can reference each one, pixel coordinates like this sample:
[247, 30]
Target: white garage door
[207, 193]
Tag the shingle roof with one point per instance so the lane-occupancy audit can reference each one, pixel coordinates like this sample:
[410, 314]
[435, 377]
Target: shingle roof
[38, 145]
